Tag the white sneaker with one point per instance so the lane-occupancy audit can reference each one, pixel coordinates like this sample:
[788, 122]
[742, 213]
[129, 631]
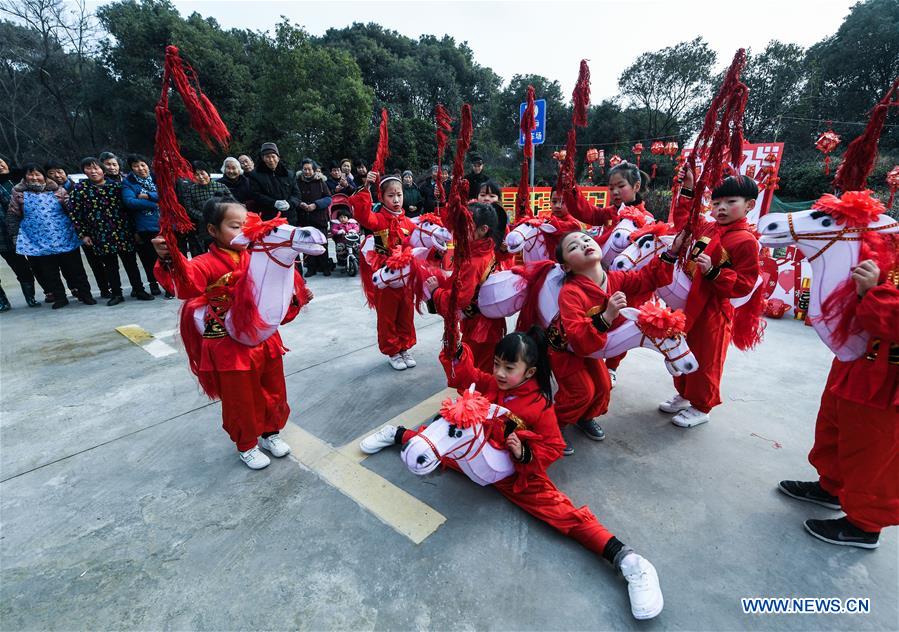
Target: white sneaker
[674, 404]
[689, 417]
[408, 359]
[274, 444]
[642, 586]
[397, 362]
[379, 440]
[613, 377]
[254, 458]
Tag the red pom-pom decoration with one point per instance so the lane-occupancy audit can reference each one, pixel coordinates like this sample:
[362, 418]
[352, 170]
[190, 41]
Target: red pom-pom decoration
[467, 410]
[256, 228]
[854, 208]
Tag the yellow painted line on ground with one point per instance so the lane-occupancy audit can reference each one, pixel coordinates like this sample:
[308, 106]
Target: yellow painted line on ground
[399, 510]
[146, 341]
[411, 418]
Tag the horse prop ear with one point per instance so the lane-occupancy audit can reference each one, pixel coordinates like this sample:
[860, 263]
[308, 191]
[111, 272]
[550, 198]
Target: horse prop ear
[630, 313]
[547, 228]
[240, 240]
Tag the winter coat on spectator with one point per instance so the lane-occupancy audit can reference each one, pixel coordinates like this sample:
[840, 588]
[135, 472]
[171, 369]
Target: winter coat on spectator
[97, 212]
[37, 221]
[314, 191]
[412, 197]
[144, 213]
[240, 188]
[267, 187]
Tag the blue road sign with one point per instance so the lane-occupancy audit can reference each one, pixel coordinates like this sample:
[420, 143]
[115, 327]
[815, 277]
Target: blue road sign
[538, 136]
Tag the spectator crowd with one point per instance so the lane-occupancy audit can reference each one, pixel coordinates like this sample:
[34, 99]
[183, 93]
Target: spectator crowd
[110, 213]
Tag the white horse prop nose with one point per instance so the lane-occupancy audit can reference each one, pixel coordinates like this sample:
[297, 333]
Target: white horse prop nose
[514, 241]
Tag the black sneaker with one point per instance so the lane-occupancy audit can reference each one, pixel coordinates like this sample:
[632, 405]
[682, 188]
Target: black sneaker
[60, 303]
[568, 451]
[87, 299]
[141, 295]
[154, 289]
[841, 531]
[809, 491]
[592, 429]
[115, 300]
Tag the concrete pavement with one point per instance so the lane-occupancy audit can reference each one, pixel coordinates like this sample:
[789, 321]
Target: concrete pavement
[123, 504]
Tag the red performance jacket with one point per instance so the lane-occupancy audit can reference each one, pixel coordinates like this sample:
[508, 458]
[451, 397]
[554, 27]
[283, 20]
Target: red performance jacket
[580, 299]
[389, 229]
[528, 406]
[873, 379]
[473, 274]
[211, 277]
[734, 251]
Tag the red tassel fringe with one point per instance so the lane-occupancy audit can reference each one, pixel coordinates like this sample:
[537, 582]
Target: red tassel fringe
[533, 276]
[748, 325]
[858, 161]
[383, 146]
[580, 98]
[444, 127]
[523, 198]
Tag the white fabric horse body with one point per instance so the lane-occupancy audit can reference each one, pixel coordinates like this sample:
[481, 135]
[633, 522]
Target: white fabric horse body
[639, 253]
[831, 254]
[468, 447]
[617, 241]
[504, 293]
[271, 269]
[430, 235]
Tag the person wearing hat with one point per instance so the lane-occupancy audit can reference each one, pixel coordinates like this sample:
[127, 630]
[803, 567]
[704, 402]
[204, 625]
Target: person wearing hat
[412, 200]
[273, 187]
[476, 177]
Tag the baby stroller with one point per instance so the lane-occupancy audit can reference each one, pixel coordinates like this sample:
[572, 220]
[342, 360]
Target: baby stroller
[347, 236]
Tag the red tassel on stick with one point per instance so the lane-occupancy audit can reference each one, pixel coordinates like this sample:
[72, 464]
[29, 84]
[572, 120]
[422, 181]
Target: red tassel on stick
[444, 127]
[383, 152]
[523, 198]
[458, 219]
[580, 98]
[858, 161]
[721, 138]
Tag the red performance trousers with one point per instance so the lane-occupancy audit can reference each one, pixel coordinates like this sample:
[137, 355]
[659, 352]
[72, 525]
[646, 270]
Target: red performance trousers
[254, 402]
[708, 341]
[543, 500]
[856, 453]
[584, 392]
[396, 320]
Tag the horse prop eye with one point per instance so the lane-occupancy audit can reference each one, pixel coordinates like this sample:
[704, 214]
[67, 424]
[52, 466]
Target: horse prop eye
[422, 459]
[305, 234]
[826, 221]
[458, 434]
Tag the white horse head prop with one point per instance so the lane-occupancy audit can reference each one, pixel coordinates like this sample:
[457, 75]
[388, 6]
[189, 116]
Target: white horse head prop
[462, 433]
[629, 220]
[504, 293]
[647, 243]
[831, 241]
[526, 237]
[430, 233]
[401, 269]
[656, 328]
[273, 249]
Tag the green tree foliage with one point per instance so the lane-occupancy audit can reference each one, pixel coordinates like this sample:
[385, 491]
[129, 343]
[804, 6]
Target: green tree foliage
[73, 84]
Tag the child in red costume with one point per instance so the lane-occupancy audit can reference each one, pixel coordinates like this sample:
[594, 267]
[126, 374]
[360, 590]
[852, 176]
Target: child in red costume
[489, 193]
[563, 221]
[520, 382]
[249, 380]
[480, 333]
[724, 264]
[856, 451]
[589, 306]
[394, 306]
[625, 182]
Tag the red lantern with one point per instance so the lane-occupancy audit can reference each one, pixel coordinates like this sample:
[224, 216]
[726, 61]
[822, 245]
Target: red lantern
[637, 149]
[826, 143]
[614, 160]
[893, 183]
[671, 148]
[592, 156]
[657, 148]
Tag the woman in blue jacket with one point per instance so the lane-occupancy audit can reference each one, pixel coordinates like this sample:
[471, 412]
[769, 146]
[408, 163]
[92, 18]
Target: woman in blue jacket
[141, 199]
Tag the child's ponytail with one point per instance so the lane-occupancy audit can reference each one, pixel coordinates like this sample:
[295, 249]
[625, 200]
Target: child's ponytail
[485, 215]
[541, 362]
